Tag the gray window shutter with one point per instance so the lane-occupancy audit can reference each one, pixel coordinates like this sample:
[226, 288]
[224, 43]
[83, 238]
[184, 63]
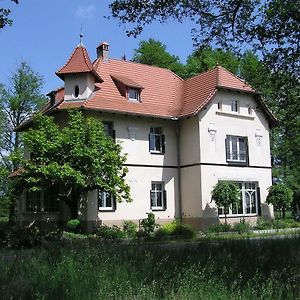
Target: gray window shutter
[114, 203]
[165, 199]
[258, 201]
[163, 148]
[247, 151]
[227, 148]
[152, 195]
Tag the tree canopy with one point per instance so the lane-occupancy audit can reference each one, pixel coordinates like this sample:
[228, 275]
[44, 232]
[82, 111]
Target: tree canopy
[73, 160]
[5, 15]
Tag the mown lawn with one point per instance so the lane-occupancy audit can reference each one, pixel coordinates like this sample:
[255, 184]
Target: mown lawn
[83, 269]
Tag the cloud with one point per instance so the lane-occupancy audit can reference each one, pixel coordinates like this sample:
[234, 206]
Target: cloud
[86, 12]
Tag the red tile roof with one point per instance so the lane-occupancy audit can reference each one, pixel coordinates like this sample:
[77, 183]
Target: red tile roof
[163, 93]
[79, 62]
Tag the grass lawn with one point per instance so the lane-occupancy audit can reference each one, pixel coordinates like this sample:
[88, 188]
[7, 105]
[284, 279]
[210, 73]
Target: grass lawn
[89, 269]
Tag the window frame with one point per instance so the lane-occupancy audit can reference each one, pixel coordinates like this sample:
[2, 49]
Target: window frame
[42, 206]
[235, 106]
[230, 152]
[110, 208]
[163, 195]
[243, 191]
[161, 140]
[136, 91]
[110, 131]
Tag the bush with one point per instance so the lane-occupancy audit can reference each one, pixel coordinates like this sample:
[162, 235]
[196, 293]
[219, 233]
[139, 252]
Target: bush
[176, 228]
[216, 228]
[130, 228]
[241, 227]
[149, 224]
[73, 226]
[263, 224]
[113, 232]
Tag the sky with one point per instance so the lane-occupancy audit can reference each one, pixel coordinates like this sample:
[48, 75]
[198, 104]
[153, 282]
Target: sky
[44, 34]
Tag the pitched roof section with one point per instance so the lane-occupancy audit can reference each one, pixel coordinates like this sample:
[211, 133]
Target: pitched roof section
[79, 62]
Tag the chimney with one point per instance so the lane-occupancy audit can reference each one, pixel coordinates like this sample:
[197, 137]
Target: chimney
[103, 51]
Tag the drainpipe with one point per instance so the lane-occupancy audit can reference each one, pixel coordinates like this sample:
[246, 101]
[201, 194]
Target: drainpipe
[178, 168]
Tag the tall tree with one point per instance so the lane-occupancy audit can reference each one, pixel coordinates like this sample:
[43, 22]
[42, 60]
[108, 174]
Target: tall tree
[154, 53]
[4, 15]
[18, 102]
[74, 160]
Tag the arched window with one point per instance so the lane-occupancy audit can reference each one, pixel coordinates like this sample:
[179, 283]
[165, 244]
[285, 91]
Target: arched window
[76, 91]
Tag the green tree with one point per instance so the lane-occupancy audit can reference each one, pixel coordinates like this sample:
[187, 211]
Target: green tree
[207, 58]
[281, 197]
[74, 160]
[4, 15]
[225, 194]
[18, 102]
[154, 53]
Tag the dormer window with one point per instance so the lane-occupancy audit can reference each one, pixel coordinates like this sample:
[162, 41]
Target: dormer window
[133, 94]
[76, 91]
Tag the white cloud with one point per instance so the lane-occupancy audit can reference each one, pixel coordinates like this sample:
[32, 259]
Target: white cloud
[86, 12]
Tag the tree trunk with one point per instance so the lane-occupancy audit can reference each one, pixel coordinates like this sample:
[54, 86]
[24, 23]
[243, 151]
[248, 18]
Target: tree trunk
[283, 213]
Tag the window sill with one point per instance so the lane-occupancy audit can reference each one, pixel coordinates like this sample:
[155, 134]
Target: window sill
[106, 210]
[234, 115]
[157, 152]
[158, 209]
[237, 163]
[239, 216]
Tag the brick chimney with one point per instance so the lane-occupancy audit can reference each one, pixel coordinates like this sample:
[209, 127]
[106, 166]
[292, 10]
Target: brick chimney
[103, 51]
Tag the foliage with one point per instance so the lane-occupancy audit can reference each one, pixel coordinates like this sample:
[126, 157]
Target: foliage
[74, 160]
[177, 229]
[219, 270]
[18, 102]
[149, 224]
[225, 194]
[4, 15]
[73, 225]
[154, 53]
[220, 227]
[281, 197]
[113, 232]
[241, 227]
[129, 228]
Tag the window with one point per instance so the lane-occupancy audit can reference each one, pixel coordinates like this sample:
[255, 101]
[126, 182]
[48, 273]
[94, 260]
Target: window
[76, 91]
[156, 140]
[236, 149]
[220, 105]
[109, 129]
[249, 200]
[40, 201]
[235, 106]
[106, 201]
[158, 196]
[249, 111]
[133, 94]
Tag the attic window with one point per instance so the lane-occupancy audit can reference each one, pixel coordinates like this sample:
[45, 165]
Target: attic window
[133, 94]
[76, 91]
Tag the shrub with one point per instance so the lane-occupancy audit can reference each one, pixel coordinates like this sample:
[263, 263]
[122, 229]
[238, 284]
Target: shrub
[73, 226]
[149, 224]
[241, 227]
[176, 228]
[263, 224]
[216, 228]
[130, 228]
[113, 232]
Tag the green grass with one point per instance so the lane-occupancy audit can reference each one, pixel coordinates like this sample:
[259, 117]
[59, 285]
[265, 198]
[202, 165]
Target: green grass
[88, 269]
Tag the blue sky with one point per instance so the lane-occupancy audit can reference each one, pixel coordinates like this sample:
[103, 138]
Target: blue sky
[44, 34]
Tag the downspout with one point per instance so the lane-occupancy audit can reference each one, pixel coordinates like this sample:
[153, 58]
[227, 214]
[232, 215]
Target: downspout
[179, 169]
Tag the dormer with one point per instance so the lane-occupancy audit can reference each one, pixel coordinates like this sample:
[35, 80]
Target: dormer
[79, 75]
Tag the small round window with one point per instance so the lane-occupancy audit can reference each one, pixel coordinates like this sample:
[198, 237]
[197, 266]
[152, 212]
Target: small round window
[76, 91]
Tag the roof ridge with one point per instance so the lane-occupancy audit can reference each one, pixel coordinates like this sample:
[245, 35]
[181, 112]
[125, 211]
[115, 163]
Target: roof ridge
[200, 74]
[86, 57]
[72, 54]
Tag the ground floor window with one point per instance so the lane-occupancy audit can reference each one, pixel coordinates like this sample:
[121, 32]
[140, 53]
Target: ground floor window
[106, 201]
[41, 201]
[158, 196]
[248, 204]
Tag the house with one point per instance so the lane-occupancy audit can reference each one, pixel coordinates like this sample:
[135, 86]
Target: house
[181, 137]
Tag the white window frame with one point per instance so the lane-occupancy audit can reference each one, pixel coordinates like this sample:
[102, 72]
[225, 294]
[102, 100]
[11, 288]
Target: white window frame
[136, 92]
[105, 196]
[156, 135]
[235, 107]
[156, 191]
[239, 152]
[243, 190]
